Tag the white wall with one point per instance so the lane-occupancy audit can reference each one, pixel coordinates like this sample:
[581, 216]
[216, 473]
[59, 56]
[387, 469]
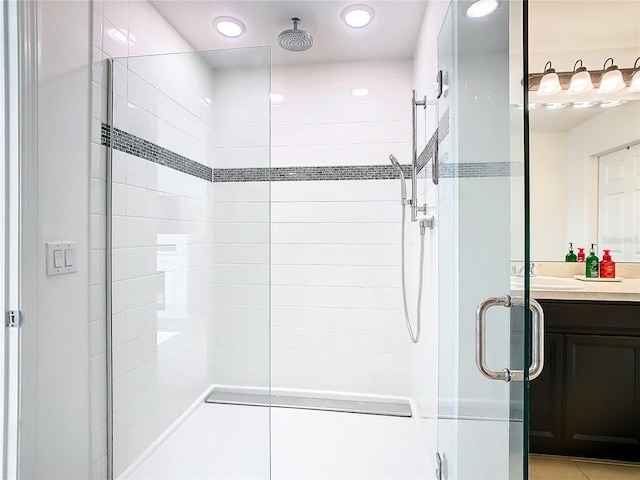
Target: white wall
[609, 130]
[550, 178]
[337, 321]
[241, 228]
[55, 437]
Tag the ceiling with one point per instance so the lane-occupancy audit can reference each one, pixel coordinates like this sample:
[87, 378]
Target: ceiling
[392, 34]
[559, 30]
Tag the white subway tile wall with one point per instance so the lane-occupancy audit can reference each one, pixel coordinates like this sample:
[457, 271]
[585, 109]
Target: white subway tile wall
[185, 248]
[337, 319]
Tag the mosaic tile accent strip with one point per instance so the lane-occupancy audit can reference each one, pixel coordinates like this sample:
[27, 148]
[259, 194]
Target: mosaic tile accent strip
[480, 170]
[127, 143]
[302, 174]
[430, 151]
[443, 126]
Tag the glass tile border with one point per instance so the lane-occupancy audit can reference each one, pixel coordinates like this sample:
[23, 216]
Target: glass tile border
[136, 146]
[141, 148]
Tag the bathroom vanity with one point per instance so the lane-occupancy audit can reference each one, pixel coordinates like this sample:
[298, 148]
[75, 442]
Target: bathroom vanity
[586, 402]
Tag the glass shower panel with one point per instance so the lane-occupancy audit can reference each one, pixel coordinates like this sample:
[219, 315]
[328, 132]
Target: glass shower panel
[481, 426]
[189, 263]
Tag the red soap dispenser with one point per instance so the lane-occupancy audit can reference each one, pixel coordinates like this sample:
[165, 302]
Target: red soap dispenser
[607, 266]
[581, 257]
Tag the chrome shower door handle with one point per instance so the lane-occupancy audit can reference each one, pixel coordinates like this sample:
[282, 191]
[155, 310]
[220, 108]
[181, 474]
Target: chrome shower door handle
[537, 339]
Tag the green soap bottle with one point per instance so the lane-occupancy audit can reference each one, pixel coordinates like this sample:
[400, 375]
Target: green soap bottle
[593, 266]
[571, 257]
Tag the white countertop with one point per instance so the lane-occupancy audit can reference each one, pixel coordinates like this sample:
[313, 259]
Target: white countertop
[628, 290]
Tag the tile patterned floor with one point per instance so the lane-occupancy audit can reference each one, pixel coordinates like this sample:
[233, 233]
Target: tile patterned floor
[547, 467]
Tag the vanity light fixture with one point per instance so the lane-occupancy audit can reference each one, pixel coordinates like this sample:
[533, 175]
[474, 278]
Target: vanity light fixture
[634, 86]
[550, 82]
[358, 15]
[580, 80]
[229, 26]
[608, 80]
[611, 80]
[482, 8]
[533, 106]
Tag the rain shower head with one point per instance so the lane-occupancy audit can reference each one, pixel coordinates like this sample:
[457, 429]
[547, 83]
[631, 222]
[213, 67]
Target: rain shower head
[295, 40]
[403, 183]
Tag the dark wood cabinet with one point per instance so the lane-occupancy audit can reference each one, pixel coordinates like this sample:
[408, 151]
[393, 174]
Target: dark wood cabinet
[587, 400]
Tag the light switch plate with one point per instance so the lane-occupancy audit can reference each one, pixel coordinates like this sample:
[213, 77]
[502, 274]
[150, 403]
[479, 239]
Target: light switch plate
[57, 250]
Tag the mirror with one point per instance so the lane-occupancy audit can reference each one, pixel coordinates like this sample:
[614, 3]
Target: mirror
[585, 160]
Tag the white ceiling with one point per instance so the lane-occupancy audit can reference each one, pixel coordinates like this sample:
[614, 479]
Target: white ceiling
[392, 34]
[559, 30]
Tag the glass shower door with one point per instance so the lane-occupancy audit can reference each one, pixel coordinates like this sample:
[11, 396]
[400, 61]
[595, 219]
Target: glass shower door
[188, 229]
[484, 325]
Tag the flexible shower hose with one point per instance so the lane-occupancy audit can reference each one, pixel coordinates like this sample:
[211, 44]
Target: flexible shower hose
[416, 337]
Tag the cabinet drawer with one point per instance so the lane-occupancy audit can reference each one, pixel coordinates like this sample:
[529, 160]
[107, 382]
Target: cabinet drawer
[597, 318]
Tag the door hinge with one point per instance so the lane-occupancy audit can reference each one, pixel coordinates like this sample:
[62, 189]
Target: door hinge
[439, 473]
[14, 318]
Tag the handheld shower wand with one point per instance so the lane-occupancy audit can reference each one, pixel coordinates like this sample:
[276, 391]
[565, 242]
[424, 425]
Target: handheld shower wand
[414, 337]
[403, 182]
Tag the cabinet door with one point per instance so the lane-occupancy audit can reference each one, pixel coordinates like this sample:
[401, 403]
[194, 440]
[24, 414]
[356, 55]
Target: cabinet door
[603, 396]
[547, 399]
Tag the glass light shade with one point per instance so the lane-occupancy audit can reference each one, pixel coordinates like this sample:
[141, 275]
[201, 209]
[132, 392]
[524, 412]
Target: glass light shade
[549, 84]
[635, 82]
[611, 81]
[580, 83]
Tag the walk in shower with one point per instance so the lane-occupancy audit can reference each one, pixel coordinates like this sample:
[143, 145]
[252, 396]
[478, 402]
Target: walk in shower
[259, 262]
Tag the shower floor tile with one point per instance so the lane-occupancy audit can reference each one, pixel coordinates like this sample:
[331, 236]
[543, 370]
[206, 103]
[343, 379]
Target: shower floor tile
[232, 442]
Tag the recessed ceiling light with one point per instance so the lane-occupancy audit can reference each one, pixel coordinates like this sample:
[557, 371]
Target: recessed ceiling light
[482, 8]
[229, 26]
[276, 97]
[358, 16]
[360, 92]
[121, 36]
